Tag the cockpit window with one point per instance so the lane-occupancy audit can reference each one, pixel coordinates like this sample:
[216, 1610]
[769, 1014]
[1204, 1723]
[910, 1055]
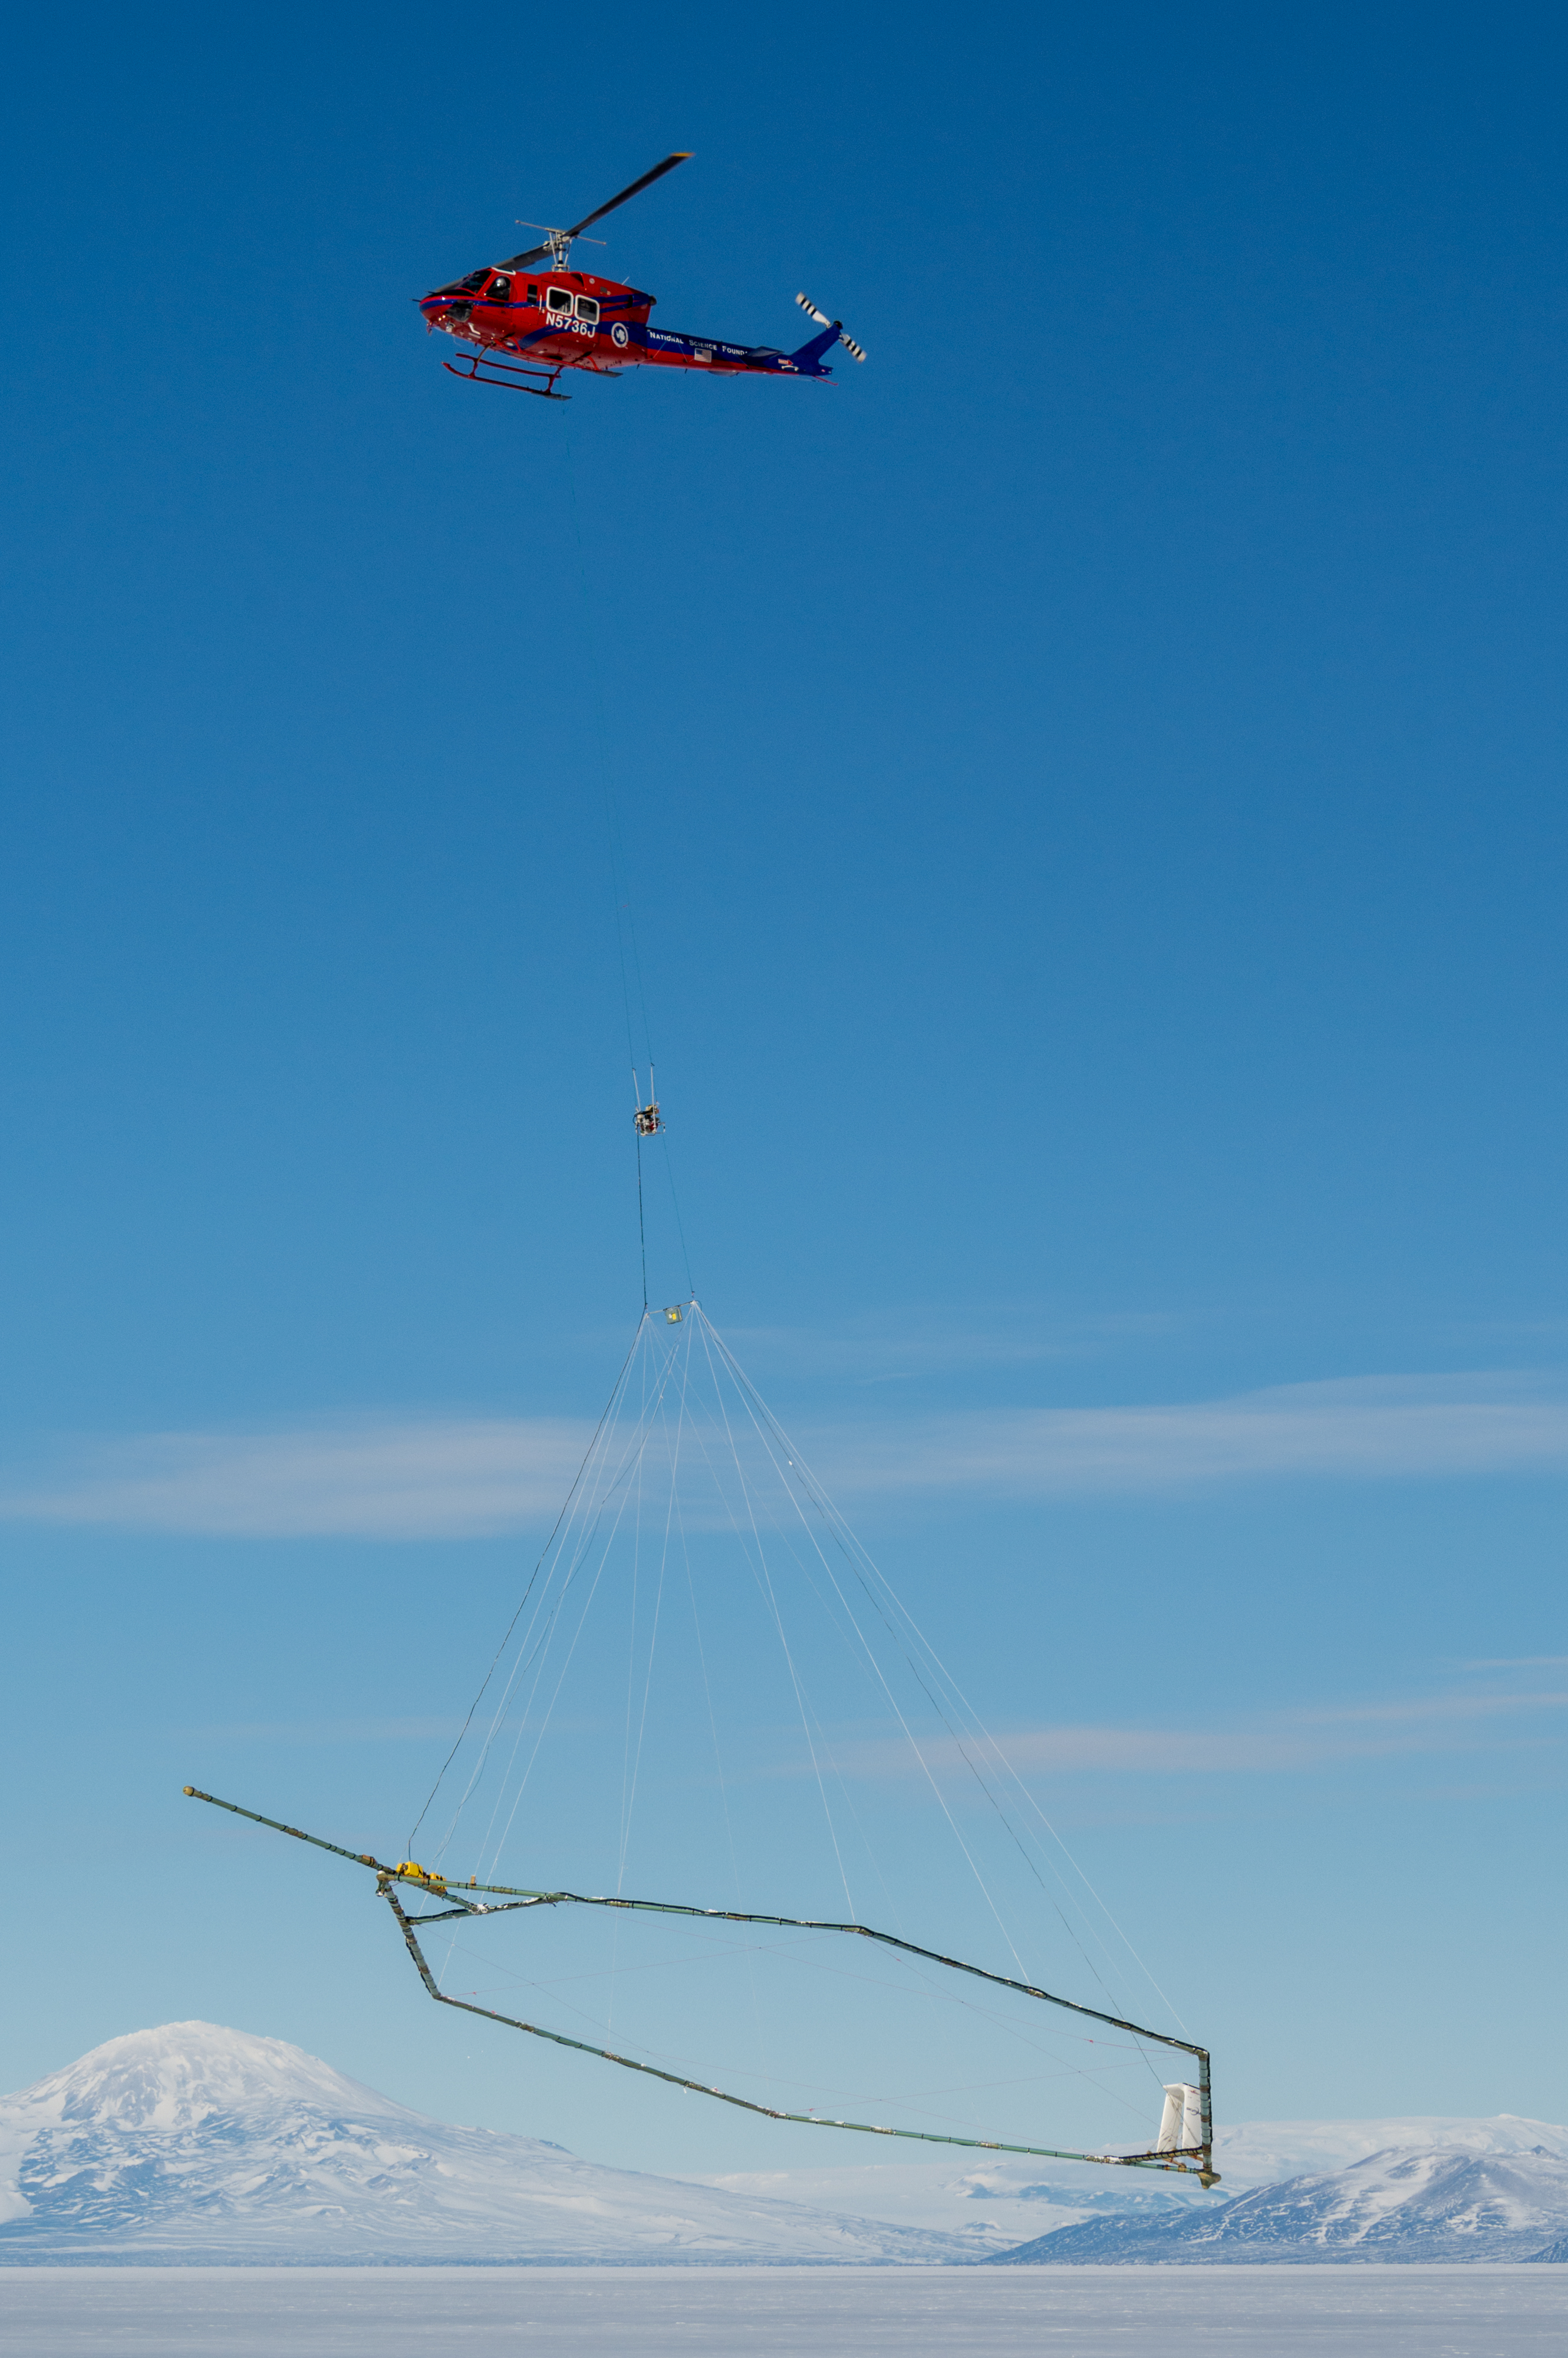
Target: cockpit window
[587, 308]
[558, 298]
[499, 291]
[476, 280]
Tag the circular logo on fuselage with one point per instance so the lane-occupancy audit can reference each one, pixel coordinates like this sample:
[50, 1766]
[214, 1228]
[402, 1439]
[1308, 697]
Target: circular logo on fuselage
[619, 335]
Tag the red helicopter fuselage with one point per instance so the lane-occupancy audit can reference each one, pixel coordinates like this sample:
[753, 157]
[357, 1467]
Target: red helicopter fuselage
[529, 320]
[551, 320]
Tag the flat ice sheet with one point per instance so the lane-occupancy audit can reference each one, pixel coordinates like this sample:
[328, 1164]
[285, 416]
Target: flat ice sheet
[1265, 2313]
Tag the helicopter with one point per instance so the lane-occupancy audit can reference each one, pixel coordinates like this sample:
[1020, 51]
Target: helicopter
[534, 317]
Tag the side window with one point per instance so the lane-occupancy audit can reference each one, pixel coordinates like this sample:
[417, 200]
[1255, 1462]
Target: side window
[587, 308]
[533, 296]
[500, 291]
[557, 299]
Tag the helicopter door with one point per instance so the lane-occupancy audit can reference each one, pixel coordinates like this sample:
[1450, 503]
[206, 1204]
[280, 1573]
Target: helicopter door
[558, 306]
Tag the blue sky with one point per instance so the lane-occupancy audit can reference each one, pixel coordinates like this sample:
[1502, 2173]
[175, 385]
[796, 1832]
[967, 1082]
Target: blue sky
[1090, 784]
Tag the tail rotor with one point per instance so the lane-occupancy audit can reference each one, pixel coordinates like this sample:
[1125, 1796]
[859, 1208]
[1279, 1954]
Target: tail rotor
[822, 319]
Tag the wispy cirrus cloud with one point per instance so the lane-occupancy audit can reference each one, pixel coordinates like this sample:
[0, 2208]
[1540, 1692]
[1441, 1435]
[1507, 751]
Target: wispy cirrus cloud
[1285, 1741]
[1518, 1662]
[402, 1479]
[274, 1731]
[915, 1344]
[410, 1478]
[1365, 1428]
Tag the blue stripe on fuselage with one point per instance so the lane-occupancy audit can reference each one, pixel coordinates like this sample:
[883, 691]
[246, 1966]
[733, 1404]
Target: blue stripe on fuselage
[766, 360]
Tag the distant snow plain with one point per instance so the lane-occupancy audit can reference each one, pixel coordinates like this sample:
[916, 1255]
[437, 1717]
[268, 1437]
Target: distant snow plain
[588, 2312]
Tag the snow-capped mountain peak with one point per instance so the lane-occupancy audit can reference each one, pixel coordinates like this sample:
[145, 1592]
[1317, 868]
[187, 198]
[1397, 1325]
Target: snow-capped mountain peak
[192, 2142]
[1262, 2152]
[180, 2074]
[1429, 2203]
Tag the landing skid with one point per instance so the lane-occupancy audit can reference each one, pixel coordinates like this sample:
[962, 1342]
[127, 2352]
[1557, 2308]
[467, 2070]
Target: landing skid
[485, 369]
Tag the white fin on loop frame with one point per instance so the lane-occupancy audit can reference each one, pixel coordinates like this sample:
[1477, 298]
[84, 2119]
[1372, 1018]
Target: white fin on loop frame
[1181, 2123]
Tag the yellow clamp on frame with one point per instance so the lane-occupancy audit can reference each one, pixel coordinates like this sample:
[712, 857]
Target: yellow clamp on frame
[410, 1871]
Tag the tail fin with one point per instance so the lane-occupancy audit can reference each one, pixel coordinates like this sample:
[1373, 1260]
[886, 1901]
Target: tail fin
[810, 354]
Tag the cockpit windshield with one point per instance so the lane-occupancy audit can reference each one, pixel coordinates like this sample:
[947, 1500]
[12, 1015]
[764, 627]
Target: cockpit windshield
[468, 286]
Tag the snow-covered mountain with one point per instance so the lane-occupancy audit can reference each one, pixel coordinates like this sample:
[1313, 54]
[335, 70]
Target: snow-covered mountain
[193, 2143]
[1265, 2153]
[1011, 2200]
[1438, 2202]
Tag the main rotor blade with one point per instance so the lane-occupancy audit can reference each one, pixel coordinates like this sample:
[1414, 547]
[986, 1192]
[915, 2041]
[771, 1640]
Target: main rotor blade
[635, 190]
[538, 252]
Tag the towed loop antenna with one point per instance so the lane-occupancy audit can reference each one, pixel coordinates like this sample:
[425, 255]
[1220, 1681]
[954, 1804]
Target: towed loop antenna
[1189, 2159]
[613, 1471]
